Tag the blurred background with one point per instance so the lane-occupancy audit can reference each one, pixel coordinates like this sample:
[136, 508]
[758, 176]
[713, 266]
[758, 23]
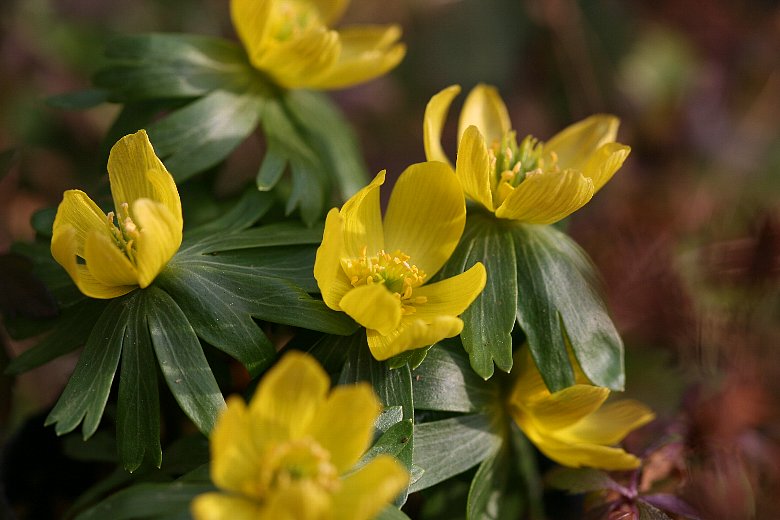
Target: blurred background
[686, 236]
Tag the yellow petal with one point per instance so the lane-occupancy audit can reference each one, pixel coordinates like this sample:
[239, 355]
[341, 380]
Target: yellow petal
[610, 423]
[250, 19]
[366, 53]
[452, 296]
[330, 10]
[64, 248]
[426, 215]
[331, 280]
[433, 123]
[159, 237]
[289, 395]
[344, 424]
[362, 220]
[79, 212]
[220, 506]
[366, 492]
[135, 173]
[412, 333]
[575, 143]
[485, 109]
[107, 263]
[294, 63]
[299, 500]
[578, 455]
[374, 307]
[473, 168]
[603, 164]
[236, 449]
[566, 407]
[547, 197]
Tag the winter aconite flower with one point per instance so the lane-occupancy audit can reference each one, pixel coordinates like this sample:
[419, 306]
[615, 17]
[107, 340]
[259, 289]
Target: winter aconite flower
[377, 269]
[574, 426]
[291, 453]
[530, 181]
[290, 41]
[110, 255]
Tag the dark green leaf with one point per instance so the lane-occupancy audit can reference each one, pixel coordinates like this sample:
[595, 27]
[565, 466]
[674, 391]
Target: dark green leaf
[277, 234]
[392, 442]
[392, 513]
[444, 381]
[390, 416]
[204, 132]
[488, 322]
[182, 361]
[86, 393]
[309, 191]
[138, 409]
[489, 498]
[451, 446]
[144, 500]
[332, 351]
[42, 221]
[272, 167]
[332, 136]
[22, 293]
[559, 299]
[580, 480]
[249, 209]
[412, 358]
[78, 100]
[53, 276]
[154, 66]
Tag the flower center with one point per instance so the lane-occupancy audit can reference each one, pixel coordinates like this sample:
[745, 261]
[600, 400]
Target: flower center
[295, 461]
[512, 163]
[292, 18]
[123, 230]
[391, 269]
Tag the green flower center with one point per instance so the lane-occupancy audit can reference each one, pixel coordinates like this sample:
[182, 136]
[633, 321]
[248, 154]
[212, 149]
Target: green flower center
[124, 231]
[292, 462]
[293, 18]
[394, 270]
[512, 163]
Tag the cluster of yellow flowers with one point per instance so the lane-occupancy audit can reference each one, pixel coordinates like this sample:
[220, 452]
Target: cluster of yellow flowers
[292, 452]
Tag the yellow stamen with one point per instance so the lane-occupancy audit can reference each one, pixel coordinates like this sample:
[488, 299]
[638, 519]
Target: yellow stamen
[393, 270]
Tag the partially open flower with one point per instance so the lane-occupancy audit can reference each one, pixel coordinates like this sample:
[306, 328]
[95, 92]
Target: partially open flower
[110, 255]
[574, 426]
[530, 181]
[292, 452]
[376, 270]
[290, 41]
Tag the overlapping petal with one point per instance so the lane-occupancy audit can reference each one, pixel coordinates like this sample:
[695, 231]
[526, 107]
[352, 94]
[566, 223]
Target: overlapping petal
[473, 168]
[412, 333]
[485, 109]
[220, 506]
[451, 296]
[576, 143]
[362, 220]
[332, 281]
[374, 307]
[433, 123]
[547, 197]
[367, 491]
[574, 426]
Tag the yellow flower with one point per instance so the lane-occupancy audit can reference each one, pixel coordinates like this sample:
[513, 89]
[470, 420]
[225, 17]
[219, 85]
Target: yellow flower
[291, 453]
[376, 269]
[110, 255]
[574, 426]
[290, 41]
[533, 182]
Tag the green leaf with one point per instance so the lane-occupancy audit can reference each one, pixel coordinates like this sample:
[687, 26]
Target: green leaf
[649, 512]
[413, 358]
[451, 446]
[272, 168]
[86, 393]
[391, 513]
[488, 322]
[154, 66]
[491, 496]
[390, 416]
[78, 100]
[249, 209]
[580, 480]
[181, 359]
[144, 500]
[277, 234]
[445, 382]
[393, 442]
[332, 350]
[201, 134]
[71, 330]
[559, 299]
[138, 408]
[43, 220]
[332, 137]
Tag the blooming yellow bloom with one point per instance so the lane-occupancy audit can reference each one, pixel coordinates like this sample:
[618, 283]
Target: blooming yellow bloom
[376, 269]
[534, 182]
[574, 426]
[110, 255]
[291, 453]
[290, 41]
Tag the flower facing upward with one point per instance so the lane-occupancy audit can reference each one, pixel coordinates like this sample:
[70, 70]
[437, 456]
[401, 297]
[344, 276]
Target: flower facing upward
[534, 182]
[573, 426]
[110, 255]
[290, 454]
[290, 41]
[376, 269]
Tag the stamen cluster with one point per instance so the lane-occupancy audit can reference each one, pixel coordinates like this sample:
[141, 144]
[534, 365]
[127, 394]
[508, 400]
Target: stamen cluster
[123, 230]
[297, 460]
